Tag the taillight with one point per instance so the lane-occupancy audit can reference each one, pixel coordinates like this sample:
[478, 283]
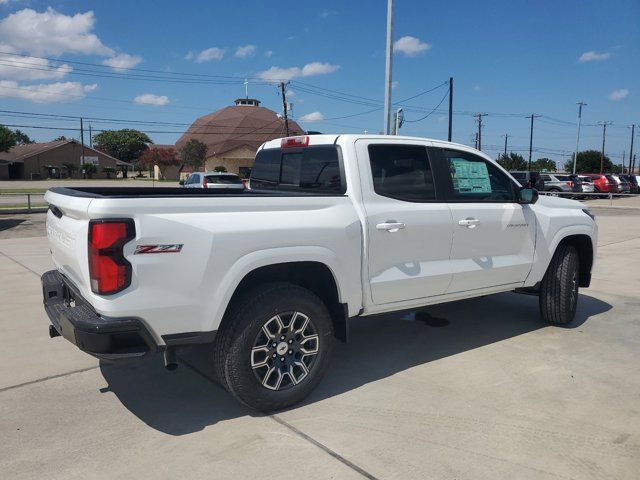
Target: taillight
[570, 184]
[292, 142]
[204, 182]
[109, 271]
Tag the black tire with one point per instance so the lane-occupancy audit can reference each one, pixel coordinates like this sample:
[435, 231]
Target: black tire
[559, 289]
[241, 329]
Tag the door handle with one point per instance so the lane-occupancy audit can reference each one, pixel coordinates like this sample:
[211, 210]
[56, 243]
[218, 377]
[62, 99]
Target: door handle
[390, 226]
[469, 222]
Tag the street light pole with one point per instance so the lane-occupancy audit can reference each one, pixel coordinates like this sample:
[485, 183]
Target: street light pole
[388, 69]
[575, 157]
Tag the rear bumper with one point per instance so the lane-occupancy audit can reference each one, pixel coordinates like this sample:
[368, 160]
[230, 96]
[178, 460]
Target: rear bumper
[74, 319]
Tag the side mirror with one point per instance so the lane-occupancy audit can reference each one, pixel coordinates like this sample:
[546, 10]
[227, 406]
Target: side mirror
[181, 182]
[527, 196]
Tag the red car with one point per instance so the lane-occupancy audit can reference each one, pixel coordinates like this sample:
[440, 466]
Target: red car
[603, 183]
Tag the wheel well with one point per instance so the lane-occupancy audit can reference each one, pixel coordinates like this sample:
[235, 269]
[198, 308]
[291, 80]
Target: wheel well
[582, 244]
[313, 276]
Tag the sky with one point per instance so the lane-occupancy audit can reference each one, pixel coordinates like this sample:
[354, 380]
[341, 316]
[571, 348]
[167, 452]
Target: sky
[157, 65]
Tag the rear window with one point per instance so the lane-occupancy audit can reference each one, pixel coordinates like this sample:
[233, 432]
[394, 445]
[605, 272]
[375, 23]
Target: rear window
[519, 175]
[610, 178]
[224, 179]
[312, 169]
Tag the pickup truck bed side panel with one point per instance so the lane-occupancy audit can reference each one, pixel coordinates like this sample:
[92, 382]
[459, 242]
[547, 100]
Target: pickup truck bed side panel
[224, 239]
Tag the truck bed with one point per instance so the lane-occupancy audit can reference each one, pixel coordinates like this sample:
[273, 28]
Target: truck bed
[163, 192]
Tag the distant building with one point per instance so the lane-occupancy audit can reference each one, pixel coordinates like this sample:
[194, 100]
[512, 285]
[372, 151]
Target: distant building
[233, 134]
[47, 160]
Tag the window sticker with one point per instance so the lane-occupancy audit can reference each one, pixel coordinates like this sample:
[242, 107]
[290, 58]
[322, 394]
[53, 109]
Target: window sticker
[470, 177]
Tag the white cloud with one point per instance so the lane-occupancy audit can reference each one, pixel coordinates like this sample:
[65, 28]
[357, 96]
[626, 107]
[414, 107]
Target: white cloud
[592, 56]
[618, 94]
[318, 68]
[268, 53]
[52, 33]
[476, 88]
[312, 117]
[151, 99]
[246, 51]
[213, 53]
[328, 13]
[410, 46]
[45, 93]
[29, 68]
[278, 74]
[122, 61]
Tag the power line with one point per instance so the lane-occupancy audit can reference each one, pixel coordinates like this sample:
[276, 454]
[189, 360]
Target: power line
[434, 109]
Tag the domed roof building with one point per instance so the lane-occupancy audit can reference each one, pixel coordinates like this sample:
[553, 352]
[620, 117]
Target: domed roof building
[233, 134]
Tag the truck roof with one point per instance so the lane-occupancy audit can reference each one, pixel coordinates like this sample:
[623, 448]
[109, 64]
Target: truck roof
[336, 138]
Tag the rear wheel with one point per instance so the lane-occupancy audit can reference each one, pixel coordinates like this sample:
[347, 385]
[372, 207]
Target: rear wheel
[274, 346]
[559, 289]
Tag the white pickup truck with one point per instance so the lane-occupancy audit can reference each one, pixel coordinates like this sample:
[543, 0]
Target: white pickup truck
[332, 227]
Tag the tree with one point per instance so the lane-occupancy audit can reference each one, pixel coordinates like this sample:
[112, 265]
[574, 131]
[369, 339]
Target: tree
[544, 164]
[126, 144]
[7, 139]
[193, 153]
[162, 157]
[89, 169]
[70, 167]
[22, 138]
[220, 168]
[61, 138]
[513, 161]
[588, 162]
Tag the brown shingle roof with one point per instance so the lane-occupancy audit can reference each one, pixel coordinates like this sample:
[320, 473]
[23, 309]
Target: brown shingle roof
[20, 153]
[237, 126]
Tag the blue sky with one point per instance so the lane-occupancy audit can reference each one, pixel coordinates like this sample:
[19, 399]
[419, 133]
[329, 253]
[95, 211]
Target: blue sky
[508, 59]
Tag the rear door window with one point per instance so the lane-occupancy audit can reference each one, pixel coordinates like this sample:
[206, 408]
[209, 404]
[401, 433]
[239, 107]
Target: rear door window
[314, 169]
[475, 179]
[402, 172]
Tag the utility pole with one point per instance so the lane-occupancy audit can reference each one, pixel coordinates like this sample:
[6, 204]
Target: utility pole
[633, 129]
[633, 165]
[284, 106]
[622, 164]
[450, 108]
[604, 137]
[90, 137]
[575, 157]
[398, 120]
[476, 140]
[82, 141]
[506, 137]
[388, 69]
[479, 137]
[532, 116]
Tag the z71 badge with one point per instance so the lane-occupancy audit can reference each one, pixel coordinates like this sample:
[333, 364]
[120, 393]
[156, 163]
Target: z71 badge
[174, 248]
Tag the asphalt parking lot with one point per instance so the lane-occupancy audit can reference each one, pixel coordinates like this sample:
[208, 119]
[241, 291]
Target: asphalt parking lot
[479, 389]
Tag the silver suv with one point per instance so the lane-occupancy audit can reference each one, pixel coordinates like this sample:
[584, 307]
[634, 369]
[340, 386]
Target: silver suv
[555, 182]
[214, 180]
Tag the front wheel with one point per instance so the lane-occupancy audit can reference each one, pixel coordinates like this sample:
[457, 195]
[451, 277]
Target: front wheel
[559, 289]
[274, 346]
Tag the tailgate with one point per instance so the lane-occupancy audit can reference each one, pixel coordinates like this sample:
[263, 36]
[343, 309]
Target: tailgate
[67, 227]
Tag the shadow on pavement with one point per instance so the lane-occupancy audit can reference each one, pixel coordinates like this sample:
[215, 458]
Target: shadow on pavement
[187, 400]
[7, 223]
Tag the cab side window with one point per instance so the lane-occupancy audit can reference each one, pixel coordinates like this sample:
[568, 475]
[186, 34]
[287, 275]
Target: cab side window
[477, 180]
[402, 172]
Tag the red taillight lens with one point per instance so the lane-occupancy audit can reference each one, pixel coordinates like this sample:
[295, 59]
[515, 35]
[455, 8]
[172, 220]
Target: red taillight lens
[109, 271]
[292, 142]
[570, 184]
[204, 182]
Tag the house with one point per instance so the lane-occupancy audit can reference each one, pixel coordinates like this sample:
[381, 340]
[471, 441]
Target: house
[233, 134]
[53, 160]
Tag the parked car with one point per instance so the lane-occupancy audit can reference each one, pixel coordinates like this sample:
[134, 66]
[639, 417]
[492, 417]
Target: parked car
[528, 179]
[333, 227]
[623, 184]
[214, 180]
[634, 182]
[565, 183]
[602, 183]
[586, 184]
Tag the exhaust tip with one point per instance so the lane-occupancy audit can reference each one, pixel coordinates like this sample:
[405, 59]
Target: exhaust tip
[170, 360]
